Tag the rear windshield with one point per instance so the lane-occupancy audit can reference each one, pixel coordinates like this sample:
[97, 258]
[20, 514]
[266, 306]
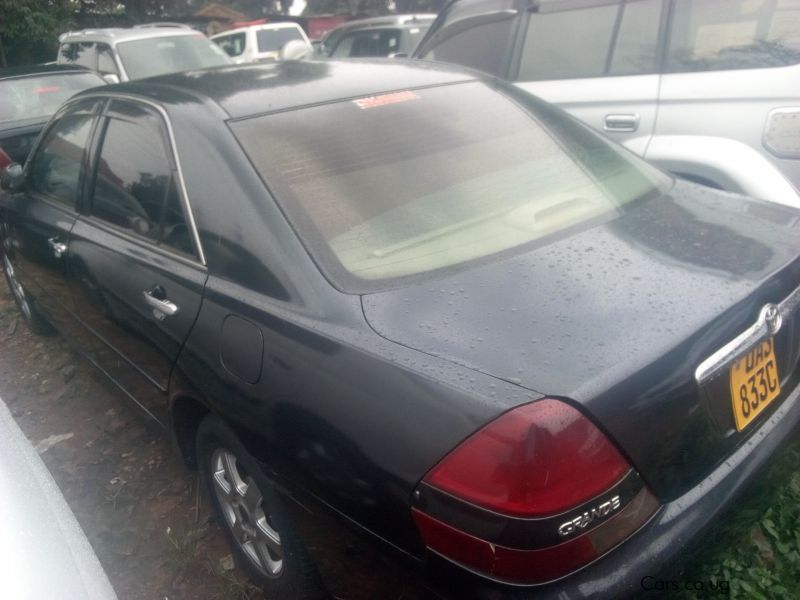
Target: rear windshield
[40, 96]
[156, 56]
[402, 184]
[272, 40]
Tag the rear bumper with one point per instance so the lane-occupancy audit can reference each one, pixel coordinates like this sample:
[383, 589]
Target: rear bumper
[633, 568]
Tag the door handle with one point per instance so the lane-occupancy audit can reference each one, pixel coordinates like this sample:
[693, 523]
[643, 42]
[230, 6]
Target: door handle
[161, 307]
[628, 122]
[58, 247]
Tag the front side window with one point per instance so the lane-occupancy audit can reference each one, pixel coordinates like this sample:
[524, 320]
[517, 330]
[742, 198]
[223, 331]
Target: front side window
[159, 55]
[381, 42]
[734, 34]
[272, 40]
[57, 167]
[135, 188]
[411, 182]
[610, 38]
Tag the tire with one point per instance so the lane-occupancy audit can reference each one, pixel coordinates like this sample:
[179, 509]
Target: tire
[33, 318]
[257, 526]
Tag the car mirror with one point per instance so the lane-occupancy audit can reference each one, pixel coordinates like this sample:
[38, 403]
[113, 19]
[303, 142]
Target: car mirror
[13, 178]
[111, 78]
[295, 50]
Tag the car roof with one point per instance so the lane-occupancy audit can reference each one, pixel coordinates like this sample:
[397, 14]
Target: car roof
[114, 35]
[263, 26]
[253, 89]
[46, 69]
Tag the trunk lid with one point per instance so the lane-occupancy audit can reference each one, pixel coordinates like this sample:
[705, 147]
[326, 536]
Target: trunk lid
[617, 317]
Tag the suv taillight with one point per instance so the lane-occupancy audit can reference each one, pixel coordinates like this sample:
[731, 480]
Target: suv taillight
[533, 496]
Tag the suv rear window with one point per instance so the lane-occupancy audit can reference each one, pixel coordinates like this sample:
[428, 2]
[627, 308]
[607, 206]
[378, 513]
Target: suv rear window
[734, 34]
[40, 96]
[410, 182]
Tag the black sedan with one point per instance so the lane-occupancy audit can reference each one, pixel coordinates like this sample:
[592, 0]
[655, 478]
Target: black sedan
[29, 96]
[422, 303]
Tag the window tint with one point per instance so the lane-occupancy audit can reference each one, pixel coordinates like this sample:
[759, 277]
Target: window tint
[381, 42]
[468, 179]
[272, 40]
[56, 168]
[634, 51]
[613, 38]
[135, 187]
[105, 60]
[473, 35]
[734, 34]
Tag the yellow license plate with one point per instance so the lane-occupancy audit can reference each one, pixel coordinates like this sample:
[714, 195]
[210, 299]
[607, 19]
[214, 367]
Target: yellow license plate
[754, 383]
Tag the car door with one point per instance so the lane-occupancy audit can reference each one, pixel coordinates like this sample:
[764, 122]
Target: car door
[597, 60]
[729, 64]
[43, 215]
[138, 275]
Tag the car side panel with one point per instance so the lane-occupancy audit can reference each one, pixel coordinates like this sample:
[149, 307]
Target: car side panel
[604, 102]
[137, 348]
[730, 104]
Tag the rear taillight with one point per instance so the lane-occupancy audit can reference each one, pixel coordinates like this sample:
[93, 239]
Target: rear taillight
[539, 459]
[531, 497]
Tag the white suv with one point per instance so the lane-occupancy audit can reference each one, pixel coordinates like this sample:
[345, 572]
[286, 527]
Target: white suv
[256, 43]
[709, 90]
[138, 52]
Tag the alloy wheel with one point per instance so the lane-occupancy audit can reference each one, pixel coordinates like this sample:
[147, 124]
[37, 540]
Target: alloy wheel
[242, 505]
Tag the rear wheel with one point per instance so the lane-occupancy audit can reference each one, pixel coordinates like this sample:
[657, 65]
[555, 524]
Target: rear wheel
[35, 321]
[250, 511]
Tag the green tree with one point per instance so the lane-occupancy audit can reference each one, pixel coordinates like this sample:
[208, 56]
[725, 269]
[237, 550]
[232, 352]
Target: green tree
[29, 29]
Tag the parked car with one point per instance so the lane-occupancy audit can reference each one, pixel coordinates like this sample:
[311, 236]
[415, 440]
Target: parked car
[390, 34]
[44, 552]
[143, 51]
[256, 43]
[502, 348]
[707, 90]
[29, 96]
[375, 37]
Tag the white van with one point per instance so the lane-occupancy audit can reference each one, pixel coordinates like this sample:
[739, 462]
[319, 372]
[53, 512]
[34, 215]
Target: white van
[260, 42]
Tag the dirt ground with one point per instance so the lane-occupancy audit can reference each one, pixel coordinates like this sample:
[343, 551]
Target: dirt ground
[137, 503]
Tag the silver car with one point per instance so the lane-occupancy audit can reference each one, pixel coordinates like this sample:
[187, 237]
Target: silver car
[43, 551]
[144, 51]
[708, 90]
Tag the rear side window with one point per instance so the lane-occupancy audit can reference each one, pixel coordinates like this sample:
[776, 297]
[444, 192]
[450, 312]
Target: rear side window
[79, 53]
[608, 38]
[381, 42]
[135, 186]
[734, 34]
[233, 45]
[56, 168]
[272, 40]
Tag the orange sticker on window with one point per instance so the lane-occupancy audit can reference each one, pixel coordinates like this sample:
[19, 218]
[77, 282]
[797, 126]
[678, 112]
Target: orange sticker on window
[384, 99]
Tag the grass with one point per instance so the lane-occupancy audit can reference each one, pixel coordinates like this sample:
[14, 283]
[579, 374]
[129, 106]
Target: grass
[756, 554]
